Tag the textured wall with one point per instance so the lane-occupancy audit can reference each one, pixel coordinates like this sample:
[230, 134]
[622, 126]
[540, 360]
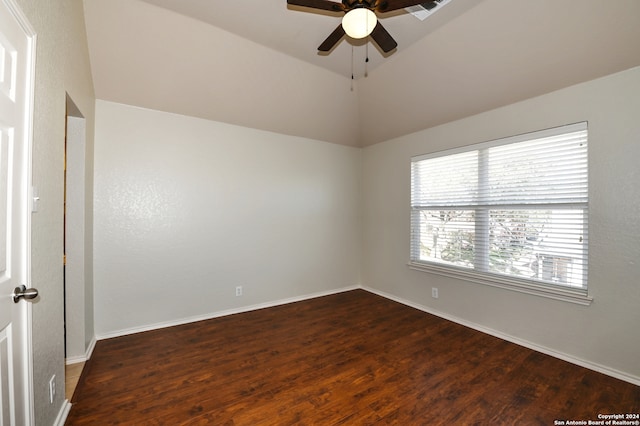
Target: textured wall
[187, 209]
[62, 67]
[604, 334]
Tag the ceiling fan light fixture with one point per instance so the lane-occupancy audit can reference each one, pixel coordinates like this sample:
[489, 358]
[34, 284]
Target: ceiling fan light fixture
[359, 23]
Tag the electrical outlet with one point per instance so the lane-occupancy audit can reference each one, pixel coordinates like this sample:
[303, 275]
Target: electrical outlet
[52, 388]
[434, 292]
[239, 290]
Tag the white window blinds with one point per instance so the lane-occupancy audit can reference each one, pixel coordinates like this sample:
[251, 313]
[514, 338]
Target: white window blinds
[514, 207]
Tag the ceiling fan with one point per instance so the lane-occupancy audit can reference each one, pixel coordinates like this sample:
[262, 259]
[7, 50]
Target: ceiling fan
[360, 19]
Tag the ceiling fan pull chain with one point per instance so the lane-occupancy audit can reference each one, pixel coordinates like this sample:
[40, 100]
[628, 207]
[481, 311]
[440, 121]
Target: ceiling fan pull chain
[366, 61]
[352, 78]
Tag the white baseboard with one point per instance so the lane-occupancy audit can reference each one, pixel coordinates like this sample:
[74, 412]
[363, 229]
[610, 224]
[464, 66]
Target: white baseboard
[218, 314]
[82, 358]
[90, 348]
[63, 413]
[527, 344]
[547, 351]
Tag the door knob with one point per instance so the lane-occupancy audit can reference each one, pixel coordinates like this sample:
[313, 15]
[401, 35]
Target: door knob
[23, 291]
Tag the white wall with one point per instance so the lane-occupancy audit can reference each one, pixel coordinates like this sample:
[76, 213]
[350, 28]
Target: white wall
[604, 335]
[62, 68]
[187, 209]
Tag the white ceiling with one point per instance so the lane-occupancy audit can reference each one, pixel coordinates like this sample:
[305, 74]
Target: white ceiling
[254, 63]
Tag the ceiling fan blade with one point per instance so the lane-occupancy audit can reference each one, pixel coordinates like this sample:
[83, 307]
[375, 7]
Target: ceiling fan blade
[383, 38]
[318, 4]
[332, 40]
[389, 5]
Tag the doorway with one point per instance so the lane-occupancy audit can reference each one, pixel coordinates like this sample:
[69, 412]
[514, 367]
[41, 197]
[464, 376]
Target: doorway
[78, 294]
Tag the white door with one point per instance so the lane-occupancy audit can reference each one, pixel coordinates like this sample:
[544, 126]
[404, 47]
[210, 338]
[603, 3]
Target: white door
[16, 94]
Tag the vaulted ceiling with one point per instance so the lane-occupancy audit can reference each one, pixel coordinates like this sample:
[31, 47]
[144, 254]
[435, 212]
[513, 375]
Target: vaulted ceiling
[255, 63]
[298, 31]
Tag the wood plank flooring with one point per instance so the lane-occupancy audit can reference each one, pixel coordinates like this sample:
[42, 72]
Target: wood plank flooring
[72, 374]
[347, 359]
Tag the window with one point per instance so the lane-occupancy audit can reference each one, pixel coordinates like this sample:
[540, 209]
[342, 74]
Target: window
[511, 212]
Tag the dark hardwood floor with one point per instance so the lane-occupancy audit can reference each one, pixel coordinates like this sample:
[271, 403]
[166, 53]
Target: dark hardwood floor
[348, 359]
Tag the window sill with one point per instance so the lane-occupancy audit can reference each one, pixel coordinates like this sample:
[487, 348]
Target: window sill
[557, 293]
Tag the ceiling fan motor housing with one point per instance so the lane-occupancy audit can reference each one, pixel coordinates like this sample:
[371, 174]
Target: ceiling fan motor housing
[378, 34]
[349, 5]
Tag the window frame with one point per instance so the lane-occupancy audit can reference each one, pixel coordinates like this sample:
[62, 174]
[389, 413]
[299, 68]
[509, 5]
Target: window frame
[579, 295]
